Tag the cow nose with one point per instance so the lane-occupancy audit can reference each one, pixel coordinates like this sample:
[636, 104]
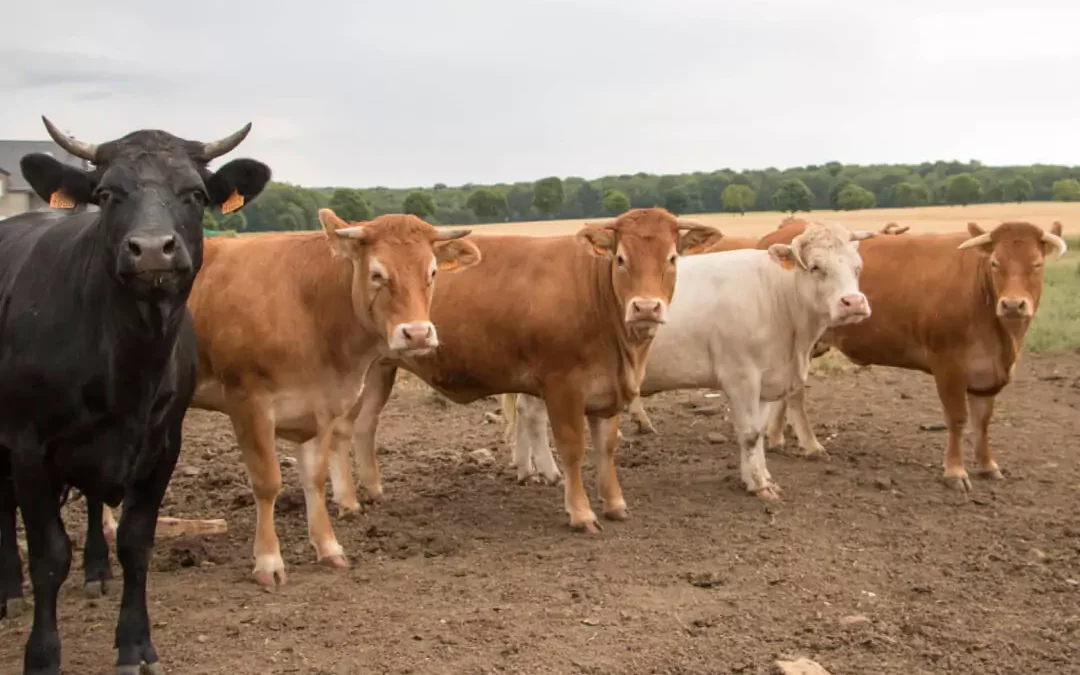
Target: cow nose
[1013, 307]
[854, 303]
[150, 253]
[642, 309]
[417, 335]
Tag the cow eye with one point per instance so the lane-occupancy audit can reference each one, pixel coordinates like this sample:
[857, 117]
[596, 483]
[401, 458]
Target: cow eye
[196, 196]
[815, 269]
[377, 278]
[671, 259]
[994, 264]
[620, 260]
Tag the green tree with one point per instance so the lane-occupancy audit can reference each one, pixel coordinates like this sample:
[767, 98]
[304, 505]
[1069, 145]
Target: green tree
[487, 203]
[350, 205]
[834, 192]
[615, 202]
[1066, 190]
[854, 197]
[677, 200]
[792, 196]
[1017, 190]
[208, 221]
[910, 194]
[419, 204]
[519, 200]
[588, 199]
[963, 189]
[548, 196]
[235, 221]
[736, 197]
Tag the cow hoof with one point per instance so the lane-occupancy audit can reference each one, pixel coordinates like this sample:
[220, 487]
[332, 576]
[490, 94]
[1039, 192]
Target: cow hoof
[646, 429]
[617, 514]
[990, 474]
[375, 497]
[770, 493]
[958, 483]
[144, 669]
[270, 578]
[95, 589]
[13, 608]
[555, 480]
[348, 512]
[588, 527]
[335, 561]
[817, 454]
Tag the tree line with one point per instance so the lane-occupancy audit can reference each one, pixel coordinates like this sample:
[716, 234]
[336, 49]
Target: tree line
[283, 206]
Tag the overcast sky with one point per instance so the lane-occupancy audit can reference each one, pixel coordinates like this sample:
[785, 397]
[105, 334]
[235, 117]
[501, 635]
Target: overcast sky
[414, 92]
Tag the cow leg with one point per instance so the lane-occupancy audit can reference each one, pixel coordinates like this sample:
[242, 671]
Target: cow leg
[951, 390]
[96, 570]
[108, 524]
[253, 422]
[749, 419]
[313, 464]
[339, 459]
[804, 431]
[982, 409]
[605, 439]
[11, 577]
[774, 427]
[640, 417]
[531, 447]
[134, 547]
[378, 384]
[50, 561]
[567, 412]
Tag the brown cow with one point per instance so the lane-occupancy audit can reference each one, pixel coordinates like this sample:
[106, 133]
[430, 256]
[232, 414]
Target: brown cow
[956, 306]
[287, 325]
[567, 318]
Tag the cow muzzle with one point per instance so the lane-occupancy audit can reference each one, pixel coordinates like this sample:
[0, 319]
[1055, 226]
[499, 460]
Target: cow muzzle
[643, 311]
[158, 261]
[1014, 309]
[851, 308]
[414, 339]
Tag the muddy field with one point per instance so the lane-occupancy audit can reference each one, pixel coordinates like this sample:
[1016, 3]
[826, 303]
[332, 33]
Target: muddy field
[868, 565]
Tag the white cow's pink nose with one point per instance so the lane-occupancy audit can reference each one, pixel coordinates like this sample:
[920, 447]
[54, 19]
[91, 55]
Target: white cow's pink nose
[854, 304]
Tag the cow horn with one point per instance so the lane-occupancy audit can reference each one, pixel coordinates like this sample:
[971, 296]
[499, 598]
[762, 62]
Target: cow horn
[796, 245]
[609, 223]
[685, 224]
[80, 149]
[862, 234]
[1057, 242]
[356, 233]
[447, 235]
[979, 240]
[220, 147]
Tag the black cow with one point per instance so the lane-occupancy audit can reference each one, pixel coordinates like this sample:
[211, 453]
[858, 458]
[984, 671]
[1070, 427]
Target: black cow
[98, 357]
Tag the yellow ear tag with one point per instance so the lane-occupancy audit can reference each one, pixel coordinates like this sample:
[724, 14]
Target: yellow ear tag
[235, 201]
[446, 265]
[787, 263]
[59, 200]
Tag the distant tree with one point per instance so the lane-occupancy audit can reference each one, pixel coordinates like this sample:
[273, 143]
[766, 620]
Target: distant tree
[677, 200]
[855, 197]
[793, 196]
[1017, 190]
[548, 196]
[834, 192]
[963, 189]
[615, 202]
[736, 197]
[519, 200]
[350, 205]
[235, 221]
[419, 204]
[440, 186]
[588, 199]
[910, 194]
[208, 221]
[487, 203]
[1066, 190]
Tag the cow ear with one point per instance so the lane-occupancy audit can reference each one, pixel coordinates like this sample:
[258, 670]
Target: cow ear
[974, 230]
[1055, 229]
[237, 183]
[699, 239]
[60, 185]
[784, 256]
[339, 232]
[456, 254]
[600, 238]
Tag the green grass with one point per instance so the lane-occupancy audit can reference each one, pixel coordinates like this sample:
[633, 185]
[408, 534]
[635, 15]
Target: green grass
[1057, 324]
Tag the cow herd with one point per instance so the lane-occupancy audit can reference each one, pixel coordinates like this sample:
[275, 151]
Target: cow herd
[115, 319]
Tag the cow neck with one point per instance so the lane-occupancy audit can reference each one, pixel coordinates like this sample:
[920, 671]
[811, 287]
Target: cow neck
[1009, 338]
[632, 350]
[340, 318]
[807, 324]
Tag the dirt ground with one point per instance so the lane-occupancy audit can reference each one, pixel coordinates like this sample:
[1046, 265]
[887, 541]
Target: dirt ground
[464, 571]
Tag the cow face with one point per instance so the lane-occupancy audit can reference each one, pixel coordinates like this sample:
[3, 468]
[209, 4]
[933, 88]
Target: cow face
[395, 261]
[152, 188]
[1015, 253]
[827, 261]
[643, 246]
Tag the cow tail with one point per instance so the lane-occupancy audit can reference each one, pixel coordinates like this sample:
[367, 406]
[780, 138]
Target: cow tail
[509, 410]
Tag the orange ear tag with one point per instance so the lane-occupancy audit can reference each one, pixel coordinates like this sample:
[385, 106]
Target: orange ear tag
[787, 263]
[235, 201]
[59, 200]
[449, 264]
[600, 250]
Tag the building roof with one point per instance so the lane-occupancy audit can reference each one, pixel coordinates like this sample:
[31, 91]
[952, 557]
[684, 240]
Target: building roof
[12, 151]
[4, 172]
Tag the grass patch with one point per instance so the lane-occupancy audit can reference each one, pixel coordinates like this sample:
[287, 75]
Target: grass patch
[1057, 324]
[832, 362]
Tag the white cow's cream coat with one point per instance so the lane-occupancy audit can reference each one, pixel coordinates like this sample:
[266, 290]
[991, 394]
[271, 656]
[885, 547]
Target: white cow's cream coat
[741, 322]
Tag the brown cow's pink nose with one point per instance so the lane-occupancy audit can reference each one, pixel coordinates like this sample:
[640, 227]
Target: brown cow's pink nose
[646, 310]
[410, 336]
[1013, 307]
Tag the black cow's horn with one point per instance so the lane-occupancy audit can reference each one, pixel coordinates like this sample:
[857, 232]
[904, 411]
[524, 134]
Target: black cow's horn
[80, 149]
[220, 147]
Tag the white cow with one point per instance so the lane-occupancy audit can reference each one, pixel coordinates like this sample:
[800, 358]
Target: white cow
[744, 321]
